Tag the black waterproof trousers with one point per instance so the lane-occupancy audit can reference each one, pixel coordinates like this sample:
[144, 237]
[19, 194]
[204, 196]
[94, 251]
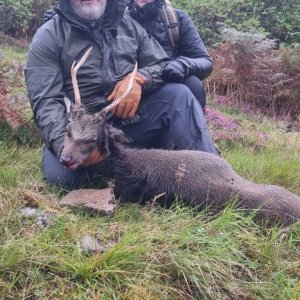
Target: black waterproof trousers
[197, 88]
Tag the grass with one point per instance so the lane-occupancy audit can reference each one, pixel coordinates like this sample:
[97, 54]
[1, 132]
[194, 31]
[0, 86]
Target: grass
[159, 254]
[152, 253]
[278, 163]
[148, 252]
[14, 50]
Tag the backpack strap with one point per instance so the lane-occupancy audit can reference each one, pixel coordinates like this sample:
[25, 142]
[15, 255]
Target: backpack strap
[171, 21]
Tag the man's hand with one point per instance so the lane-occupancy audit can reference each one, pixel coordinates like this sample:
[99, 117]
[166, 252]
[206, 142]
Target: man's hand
[174, 71]
[128, 107]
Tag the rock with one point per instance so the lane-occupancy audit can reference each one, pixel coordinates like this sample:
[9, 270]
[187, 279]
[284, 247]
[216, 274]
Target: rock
[88, 245]
[96, 201]
[104, 247]
[28, 212]
[42, 218]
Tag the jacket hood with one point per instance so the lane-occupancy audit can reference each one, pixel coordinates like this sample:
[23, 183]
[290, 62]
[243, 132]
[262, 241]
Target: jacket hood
[146, 13]
[111, 19]
[131, 2]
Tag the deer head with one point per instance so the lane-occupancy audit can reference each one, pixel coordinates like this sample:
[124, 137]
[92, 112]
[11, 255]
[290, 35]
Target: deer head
[88, 137]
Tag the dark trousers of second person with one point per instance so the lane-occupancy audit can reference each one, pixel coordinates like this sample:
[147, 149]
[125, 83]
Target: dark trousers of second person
[196, 87]
[168, 118]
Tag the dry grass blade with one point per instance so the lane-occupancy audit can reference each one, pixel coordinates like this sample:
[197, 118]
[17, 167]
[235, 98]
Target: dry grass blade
[34, 199]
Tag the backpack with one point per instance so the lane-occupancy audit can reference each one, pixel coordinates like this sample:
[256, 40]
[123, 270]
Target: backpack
[171, 21]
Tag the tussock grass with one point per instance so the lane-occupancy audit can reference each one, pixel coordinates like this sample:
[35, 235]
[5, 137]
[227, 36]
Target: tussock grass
[278, 163]
[159, 254]
[273, 160]
[267, 167]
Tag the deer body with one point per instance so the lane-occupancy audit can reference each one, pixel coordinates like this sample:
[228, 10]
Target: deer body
[198, 178]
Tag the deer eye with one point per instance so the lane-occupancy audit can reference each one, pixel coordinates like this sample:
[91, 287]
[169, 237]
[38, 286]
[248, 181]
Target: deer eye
[68, 130]
[92, 141]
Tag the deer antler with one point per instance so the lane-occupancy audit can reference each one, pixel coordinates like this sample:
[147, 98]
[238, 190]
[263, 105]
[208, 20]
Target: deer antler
[106, 109]
[75, 67]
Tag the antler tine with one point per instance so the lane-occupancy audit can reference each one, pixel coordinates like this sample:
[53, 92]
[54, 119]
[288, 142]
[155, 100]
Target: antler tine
[106, 109]
[74, 69]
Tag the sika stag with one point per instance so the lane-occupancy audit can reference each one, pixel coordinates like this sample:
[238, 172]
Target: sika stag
[197, 178]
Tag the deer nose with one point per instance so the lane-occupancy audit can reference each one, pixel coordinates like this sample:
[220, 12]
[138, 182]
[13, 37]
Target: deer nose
[66, 159]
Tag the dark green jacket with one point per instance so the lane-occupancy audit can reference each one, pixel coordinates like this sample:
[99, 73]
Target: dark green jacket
[118, 42]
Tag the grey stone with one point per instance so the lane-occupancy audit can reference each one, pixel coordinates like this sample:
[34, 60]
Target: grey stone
[88, 245]
[96, 201]
[41, 218]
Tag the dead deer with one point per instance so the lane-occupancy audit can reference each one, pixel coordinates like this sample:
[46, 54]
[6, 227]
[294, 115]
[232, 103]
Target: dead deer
[198, 178]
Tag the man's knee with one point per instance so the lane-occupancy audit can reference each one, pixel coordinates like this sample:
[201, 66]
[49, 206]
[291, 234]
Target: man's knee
[176, 90]
[178, 95]
[197, 88]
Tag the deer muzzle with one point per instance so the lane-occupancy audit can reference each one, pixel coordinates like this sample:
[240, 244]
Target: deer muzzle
[68, 162]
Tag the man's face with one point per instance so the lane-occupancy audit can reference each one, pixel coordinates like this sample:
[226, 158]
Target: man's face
[141, 3]
[89, 9]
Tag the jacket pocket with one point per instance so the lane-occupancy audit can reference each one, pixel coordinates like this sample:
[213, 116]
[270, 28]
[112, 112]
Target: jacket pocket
[124, 54]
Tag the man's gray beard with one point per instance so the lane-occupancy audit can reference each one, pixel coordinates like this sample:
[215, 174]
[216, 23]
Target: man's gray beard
[89, 12]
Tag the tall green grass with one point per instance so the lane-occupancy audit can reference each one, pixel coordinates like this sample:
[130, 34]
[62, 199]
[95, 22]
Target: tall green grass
[278, 162]
[162, 254]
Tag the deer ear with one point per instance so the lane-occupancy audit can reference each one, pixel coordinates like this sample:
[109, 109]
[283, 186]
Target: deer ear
[104, 141]
[117, 135]
[68, 104]
[109, 136]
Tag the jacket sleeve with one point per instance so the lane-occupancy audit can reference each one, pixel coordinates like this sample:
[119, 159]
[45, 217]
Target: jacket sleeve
[193, 53]
[44, 80]
[151, 59]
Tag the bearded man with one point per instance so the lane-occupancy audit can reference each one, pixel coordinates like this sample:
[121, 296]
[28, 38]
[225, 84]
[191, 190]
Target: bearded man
[151, 111]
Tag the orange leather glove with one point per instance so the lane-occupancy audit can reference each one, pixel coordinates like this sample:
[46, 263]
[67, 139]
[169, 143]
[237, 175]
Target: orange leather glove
[129, 105]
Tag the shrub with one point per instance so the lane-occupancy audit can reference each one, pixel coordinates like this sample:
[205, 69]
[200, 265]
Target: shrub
[11, 112]
[226, 131]
[15, 16]
[249, 70]
[278, 18]
[22, 17]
